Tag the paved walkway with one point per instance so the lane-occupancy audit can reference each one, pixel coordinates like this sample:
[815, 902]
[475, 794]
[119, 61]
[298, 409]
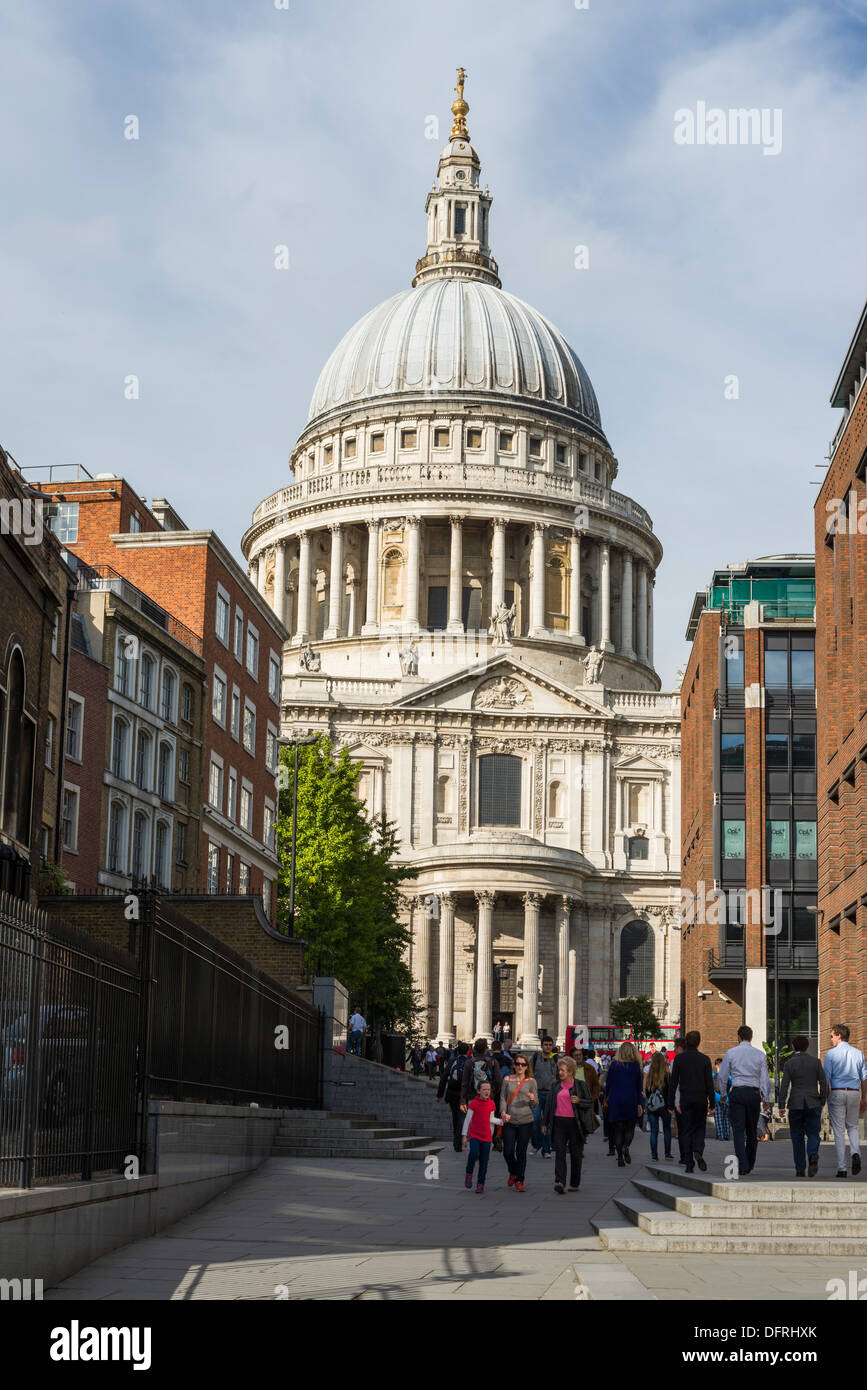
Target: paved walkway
[380, 1229]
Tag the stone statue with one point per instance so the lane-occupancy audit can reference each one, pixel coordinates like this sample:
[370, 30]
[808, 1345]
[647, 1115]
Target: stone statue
[593, 666]
[409, 658]
[309, 660]
[502, 624]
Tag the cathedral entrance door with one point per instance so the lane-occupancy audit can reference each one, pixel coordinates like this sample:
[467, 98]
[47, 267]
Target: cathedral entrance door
[505, 994]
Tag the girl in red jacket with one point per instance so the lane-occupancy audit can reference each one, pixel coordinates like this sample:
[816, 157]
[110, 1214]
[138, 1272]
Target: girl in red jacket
[477, 1134]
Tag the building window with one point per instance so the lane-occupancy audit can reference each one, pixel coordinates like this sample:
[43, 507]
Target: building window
[274, 677]
[377, 443]
[327, 455]
[803, 752]
[250, 729]
[734, 839]
[139, 844]
[215, 787]
[239, 635]
[184, 766]
[349, 448]
[638, 847]
[442, 438]
[70, 819]
[74, 728]
[582, 462]
[161, 854]
[506, 442]
[20, 749]
[230, 871]
[444, 795]
[271, 747]
[246, 808]
[62, 518]
[135, 523]
[49, 741]
[460, 219]
[55, 634]
[266, 897]
[125, 647]
[560, 453]
[181, 845]
[146, 687]
[409, 439]
[778, 839]
[734, 654]
[805, 839]
[218, 700]
[187, 704]
[636, 960]
[236, 713]
[437, 607]
[243, 877]
[143, 750]
[268, 826]
[213, 868]
[555, 801]
[474, 438]
[732, 752]
[535, 447]
[117, 838]
[167, 707]
[165, 789]
[252, 650]
[233, 794]
[222, 616]
[120, 748]
[499, 789]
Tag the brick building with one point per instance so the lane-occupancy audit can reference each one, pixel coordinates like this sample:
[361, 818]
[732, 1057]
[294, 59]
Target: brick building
[188, 584]
[748, 874]
[35, 585]
[841, 690]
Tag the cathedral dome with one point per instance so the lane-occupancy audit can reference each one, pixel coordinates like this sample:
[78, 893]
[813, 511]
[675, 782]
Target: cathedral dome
[455, 334]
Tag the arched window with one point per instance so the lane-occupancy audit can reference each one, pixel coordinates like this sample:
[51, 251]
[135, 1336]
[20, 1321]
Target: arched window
[636, 960]
[143, 755]
[161, 854]
[116, 855]
[20, 740]
[444, 795]
[556, 589]
[638, 847]
[391, 566]
[499, 789]
[139, 845]
[555, 801]
[169, 696]
[148, 680]
[165, 788]
[120, 748]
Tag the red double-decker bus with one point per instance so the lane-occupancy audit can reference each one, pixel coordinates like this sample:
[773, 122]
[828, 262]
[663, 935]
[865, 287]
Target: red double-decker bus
[606, 1038]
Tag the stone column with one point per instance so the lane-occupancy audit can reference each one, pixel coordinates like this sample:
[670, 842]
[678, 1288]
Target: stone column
[498, 566]
[371, 617]
[263, 571]
[446, 995]
[537, 581]
[280, 581]
[302, 618]
[485, 966]
[605, 597]
[352, 625]
[563, 916]
[253, 573]
[626, 606]
[410, 622]
[641, 639]
[575, 585]
[530, 1021]
[422, 962]
[335, 586]
[650, 587]
[470, 1011]
[455, 620]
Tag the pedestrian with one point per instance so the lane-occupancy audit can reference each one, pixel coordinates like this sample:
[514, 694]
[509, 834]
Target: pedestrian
[442, 1058]
[692, 1078]
[846, 1073]
[449, 1090]
[805, 1086]
[544, 1066]
[568, 1118]
[679, 1047]
[624, 1100]
[431, 1062]
[659, 1105]
[519, 1097]
[480, 1067]
[498, 1031]
[507, 1034]
[357, 1030]
[721, 1104]
[590, 1056]
[478, 1128]
[747, 1069]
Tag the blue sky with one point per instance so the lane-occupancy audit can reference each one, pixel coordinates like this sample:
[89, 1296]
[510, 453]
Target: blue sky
[306, 126]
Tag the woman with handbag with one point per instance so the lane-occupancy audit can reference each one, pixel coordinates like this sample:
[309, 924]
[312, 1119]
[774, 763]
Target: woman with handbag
[721, 1104]
[660, 1104]
[624, 1099]
[567, 1116]
[518, 1097]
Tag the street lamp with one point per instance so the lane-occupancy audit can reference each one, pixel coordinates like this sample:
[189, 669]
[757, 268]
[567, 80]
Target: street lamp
[294, 743]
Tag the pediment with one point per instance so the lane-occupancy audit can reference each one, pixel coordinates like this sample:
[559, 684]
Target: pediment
[639, 764]
[504, 686]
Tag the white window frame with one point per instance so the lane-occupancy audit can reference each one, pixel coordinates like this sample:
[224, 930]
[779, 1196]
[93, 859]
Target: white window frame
[238, 633]
[274, 664]
[223, 597]
[213, 879]
[218, 679]
[50, 731]
[155, 678]
[235, 705]
[216, 766]
[79, 701]
[252, 636]
[129, 666]
[249, 708]
[139, 814]
[124, 845]
[148, 784]
[232, 795]
[243, 877]
[124, 774]
[273, 738]
[161, 744]
[75, 792]
[165, 882]
[269, 830]
[184, 757]
[247, 824]
[172, 716]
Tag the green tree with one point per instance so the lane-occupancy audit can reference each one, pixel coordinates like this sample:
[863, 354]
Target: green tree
[636, 1013]
[347, 882]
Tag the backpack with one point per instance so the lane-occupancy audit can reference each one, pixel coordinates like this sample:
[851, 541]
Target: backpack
[481, 1072]
[453, 1082]
[655, 1101]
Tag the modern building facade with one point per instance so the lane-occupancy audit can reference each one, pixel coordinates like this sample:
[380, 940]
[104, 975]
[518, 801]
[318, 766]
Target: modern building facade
[471, 614]
[749, 847]
[841, 644]
[193, 657]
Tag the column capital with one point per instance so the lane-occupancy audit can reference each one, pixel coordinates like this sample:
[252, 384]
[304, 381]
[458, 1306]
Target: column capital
[540, 527]
[447, 900]
[374, 523]
[499, 523]
[303, 536]
[485, 898]
[335, 527]
[567, 901]
[532, 899]
[456, 518]
[413, 521]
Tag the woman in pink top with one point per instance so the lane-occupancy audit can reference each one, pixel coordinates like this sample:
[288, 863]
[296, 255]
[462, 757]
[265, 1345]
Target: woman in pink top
[568, 1102]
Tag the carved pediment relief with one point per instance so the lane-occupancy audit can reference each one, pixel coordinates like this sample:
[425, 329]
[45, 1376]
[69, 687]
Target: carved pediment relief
[503, 693]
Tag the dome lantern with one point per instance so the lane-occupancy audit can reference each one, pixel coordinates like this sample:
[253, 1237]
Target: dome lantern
[458, 210]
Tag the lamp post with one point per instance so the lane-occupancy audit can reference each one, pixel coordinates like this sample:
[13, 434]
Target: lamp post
[295, 744]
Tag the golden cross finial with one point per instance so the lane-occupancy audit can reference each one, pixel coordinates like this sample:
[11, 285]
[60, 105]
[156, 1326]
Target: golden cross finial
[460, 109]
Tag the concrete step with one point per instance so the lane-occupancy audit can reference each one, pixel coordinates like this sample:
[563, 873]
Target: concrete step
[661, 1221]
[673, 1197]
[753, 1189]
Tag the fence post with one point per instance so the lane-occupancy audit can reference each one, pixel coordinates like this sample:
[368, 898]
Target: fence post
[92, 1046]
[146, 948]
[32, 1067]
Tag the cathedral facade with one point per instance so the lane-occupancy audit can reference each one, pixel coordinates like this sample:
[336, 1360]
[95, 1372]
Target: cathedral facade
[471, 606]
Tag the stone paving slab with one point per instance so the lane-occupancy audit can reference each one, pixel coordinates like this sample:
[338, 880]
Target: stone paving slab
[345, 1229]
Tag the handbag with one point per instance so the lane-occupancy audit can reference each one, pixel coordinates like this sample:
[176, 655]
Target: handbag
[517, 1089]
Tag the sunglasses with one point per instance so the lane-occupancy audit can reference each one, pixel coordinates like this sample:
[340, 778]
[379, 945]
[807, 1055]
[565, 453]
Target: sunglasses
[520, 1064]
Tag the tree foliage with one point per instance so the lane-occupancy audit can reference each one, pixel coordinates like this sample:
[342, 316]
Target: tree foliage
[636, 1013]
[347, 883]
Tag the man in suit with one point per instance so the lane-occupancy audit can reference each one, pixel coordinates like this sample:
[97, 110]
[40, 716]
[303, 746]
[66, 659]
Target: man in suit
[804, 1076]
[692, 1075]
[747, 1069]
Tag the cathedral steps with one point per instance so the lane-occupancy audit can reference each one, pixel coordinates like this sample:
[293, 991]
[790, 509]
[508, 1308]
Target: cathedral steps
[330, 1134]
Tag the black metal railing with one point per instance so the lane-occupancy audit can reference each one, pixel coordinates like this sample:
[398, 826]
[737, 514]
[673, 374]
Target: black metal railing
[729, 958]
[69, 1093]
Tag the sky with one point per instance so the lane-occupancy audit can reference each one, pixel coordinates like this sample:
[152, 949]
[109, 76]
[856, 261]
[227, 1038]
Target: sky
[722, 287]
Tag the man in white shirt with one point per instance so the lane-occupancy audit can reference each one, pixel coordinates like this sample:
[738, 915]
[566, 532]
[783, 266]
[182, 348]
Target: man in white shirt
[846, 1071]
[650, 1056]
[748, 1068]
[357, 1030]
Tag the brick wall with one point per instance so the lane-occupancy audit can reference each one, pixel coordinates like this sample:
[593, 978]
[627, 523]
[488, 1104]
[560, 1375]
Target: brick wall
[88, 678]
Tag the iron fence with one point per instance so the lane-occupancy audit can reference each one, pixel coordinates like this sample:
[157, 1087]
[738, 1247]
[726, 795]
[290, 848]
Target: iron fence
[69, 1015]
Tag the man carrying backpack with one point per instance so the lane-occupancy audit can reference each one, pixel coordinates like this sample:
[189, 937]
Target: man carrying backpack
[543, 1066]
[480, 1066]
[449, 1090]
